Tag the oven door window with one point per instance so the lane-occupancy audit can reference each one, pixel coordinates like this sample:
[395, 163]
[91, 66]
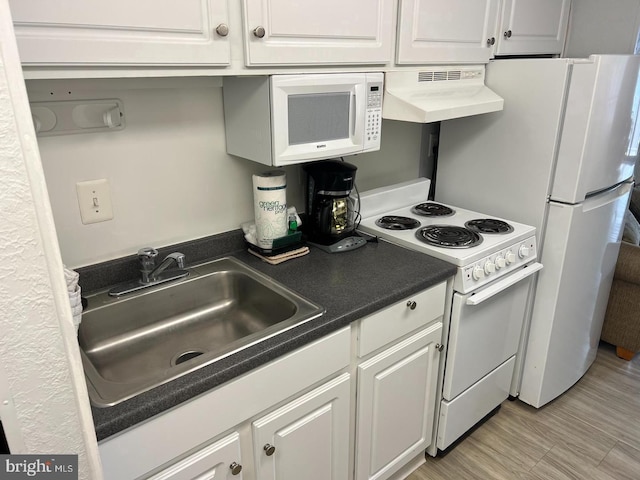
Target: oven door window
[318, 117]
[483, 336]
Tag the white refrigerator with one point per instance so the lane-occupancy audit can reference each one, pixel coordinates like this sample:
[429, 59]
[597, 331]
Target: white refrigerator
[560, 156]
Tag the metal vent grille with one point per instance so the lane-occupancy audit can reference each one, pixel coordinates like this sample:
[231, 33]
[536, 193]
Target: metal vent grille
[439, 75]
[454, 75]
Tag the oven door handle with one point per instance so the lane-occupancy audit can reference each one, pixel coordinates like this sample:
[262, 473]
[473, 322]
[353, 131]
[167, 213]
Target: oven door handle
[504, 284]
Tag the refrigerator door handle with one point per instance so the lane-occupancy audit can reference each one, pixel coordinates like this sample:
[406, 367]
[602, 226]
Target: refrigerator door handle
[496, 288]
[603, 197]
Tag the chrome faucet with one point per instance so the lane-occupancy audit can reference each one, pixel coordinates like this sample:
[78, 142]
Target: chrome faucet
[151, 274]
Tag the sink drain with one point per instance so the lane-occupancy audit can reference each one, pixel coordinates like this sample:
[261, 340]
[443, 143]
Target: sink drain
[186, 356]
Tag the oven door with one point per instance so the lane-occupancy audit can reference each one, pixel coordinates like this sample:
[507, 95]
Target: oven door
[485, 329]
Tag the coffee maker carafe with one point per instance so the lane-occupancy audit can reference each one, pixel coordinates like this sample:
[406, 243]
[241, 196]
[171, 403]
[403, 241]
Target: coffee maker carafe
[332, 206]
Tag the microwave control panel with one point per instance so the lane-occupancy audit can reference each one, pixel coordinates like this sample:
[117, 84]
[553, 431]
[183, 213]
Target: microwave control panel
[373, 120]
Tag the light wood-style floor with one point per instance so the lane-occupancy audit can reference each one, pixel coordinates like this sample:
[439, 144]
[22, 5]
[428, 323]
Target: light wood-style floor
[590, 432]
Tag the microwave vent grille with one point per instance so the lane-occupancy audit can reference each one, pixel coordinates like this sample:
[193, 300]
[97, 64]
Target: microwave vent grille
[439, 75]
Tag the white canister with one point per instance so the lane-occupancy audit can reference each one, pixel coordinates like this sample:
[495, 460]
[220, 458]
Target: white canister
[270, 206]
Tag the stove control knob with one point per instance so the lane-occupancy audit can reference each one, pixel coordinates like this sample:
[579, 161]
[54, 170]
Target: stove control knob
[500, 263]
[509, 257]
[523, 251]
[478, 272]
[489, 267]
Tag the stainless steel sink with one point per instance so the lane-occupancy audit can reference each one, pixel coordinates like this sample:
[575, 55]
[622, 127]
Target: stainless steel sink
[136, 342]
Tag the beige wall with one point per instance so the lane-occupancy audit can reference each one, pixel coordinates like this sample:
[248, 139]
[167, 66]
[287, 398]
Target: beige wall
[171, 179]
[599, 26]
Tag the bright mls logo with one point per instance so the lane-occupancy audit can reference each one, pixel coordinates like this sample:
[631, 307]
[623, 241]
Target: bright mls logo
[50, 467]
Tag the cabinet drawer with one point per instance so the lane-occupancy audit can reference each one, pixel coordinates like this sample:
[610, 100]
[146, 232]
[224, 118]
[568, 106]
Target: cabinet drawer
[394, 322]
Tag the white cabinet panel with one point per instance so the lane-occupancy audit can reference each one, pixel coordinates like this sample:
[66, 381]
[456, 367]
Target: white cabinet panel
[119, 32]
[446, 31]
[396, 399]
[219, 461]
[281, 32]
[533, 27]
[307, 438]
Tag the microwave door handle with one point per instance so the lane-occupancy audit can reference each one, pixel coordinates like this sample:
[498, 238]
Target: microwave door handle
[354, 114]
[498, 287]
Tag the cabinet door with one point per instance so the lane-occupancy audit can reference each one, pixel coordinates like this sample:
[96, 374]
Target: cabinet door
[396, 401]
[533, 27]
[218, 461]
[121, 32]
[330, 32]
[307, 438]
[451, 31]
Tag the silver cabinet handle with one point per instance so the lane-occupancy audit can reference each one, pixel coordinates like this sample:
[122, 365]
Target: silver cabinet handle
[236, 468]
[439, 347]
[508, 34]
[259, 32]
[269, 449]
[222, 29]
[412, 305]
[491, 41]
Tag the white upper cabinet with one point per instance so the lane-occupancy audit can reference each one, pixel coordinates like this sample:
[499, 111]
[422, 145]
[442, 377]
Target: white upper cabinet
[473, 31]
[328, 32]
[446, 31]
[533, 27]
[121, 32]
[243, 35]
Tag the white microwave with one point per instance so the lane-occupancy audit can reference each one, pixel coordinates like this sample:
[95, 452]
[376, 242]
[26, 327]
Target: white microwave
[285, 119]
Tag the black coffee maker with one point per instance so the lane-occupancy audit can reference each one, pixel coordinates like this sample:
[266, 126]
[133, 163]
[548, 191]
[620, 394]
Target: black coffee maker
[332, 207]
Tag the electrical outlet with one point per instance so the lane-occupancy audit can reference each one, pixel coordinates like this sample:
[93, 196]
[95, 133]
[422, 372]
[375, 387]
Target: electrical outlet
[94, 199]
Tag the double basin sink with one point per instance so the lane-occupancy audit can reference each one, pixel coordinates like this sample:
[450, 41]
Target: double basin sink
[138, 341]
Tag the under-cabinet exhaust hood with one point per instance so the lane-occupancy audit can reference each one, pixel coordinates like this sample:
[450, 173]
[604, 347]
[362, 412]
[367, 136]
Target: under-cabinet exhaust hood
[438, 93]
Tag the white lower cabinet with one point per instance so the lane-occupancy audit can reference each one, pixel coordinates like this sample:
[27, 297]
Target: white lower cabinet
[291, 419]
[307, 438]
[396, 401]
[219, 461]
[301, 382]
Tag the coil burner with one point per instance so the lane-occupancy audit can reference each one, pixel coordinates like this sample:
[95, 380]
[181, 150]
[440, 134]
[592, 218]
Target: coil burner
[392, 222]
[488, 225]
[432, 209]
[449, 236]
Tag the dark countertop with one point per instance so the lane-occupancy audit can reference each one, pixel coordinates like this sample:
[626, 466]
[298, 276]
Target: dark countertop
[349, 285]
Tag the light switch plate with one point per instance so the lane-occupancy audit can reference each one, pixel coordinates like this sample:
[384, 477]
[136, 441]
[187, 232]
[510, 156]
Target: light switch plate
[94, 199]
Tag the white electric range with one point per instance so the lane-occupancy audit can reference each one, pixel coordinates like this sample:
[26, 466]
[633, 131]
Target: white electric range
[496, 259]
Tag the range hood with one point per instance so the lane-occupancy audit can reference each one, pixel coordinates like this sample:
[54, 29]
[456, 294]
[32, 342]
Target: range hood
[432, 94]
